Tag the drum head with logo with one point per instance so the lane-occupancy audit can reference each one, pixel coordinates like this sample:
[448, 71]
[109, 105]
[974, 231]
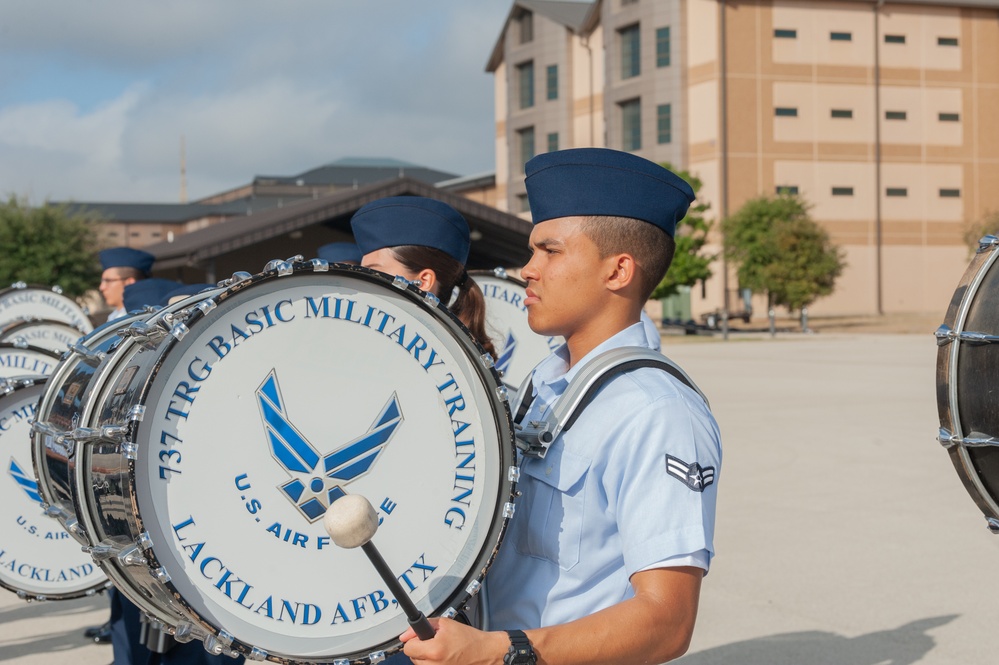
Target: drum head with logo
[519, 348]
[38, 558]
[298, 387]
[18, 358]
[44, 333]
[21, 301]
[968, 380]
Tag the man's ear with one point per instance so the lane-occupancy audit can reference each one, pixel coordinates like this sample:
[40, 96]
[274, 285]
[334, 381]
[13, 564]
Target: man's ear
[622, 272]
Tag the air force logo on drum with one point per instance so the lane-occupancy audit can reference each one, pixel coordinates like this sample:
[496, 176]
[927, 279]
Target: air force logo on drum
[313, 489]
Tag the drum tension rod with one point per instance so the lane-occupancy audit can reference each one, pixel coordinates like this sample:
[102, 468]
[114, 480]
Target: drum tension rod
[945, 336]
[949, 440]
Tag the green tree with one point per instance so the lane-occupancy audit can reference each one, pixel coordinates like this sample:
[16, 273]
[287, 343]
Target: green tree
[974, 231]
[689, 265]
[48, 246]
[781, 251]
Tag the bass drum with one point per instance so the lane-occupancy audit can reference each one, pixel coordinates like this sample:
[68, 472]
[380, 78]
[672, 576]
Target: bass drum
[518, 347]
[21, 301]
[38, 559]
[61, 441]
[221, 448]
[968, 380]
[21, 359]
[55, 336]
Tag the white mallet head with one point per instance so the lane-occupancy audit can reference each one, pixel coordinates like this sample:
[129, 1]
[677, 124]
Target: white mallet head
[351, 521]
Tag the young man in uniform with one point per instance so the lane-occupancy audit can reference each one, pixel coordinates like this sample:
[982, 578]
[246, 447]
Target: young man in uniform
[122, 266]
[613, 531]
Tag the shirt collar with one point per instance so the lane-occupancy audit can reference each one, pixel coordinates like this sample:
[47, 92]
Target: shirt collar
[552, 375]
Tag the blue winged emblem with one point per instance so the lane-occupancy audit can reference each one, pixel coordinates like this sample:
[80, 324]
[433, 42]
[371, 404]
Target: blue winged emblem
[506, 355]
[318, 480]
[25, 480]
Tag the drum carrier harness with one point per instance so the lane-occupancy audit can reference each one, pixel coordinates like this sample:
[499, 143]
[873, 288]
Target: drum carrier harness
[534, 438]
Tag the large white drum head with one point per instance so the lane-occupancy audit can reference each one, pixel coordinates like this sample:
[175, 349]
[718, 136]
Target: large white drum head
[55, 336]
[519, 348]
[17, 359]
[296, 389]
[32, 302]
[38, 558]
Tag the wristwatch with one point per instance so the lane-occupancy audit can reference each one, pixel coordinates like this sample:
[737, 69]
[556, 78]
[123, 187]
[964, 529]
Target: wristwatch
[521, 652]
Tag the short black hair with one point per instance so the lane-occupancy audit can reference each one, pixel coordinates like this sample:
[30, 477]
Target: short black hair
[650, 246]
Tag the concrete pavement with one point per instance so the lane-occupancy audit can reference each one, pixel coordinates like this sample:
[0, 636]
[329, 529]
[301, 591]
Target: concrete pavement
[844, 535]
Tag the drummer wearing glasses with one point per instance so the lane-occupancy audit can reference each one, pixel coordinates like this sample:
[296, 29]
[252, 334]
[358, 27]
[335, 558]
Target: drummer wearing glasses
[122, 266]
[613, 532]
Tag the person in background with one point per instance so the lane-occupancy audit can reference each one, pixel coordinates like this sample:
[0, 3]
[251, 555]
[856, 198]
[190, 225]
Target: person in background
[340, 252]
[613, 531]
[121, 267]
[426, 241]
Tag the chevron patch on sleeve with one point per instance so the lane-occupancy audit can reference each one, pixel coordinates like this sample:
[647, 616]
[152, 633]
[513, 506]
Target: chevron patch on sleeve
[694, 476]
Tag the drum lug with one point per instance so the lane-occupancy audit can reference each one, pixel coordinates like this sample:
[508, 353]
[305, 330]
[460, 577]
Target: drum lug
[513, 474]
[500, 272]
[130, 450]
[987, 243]
[376, 657]
[320, 265]
[73, 526]
[993, 524]
[473, 587]
[184, 632]
[220, 644]
[283, 268]
[179, 331]
[148, 336]
[101, 552]
[256, 653]
[144, 541]
[237, 277]
[487, 360]
[136, 413]
[508, 510]
[206, 305]
[110, 433]
[162, 575]
[55, 512]
[92, 358]
[503, 393]
[432, 300]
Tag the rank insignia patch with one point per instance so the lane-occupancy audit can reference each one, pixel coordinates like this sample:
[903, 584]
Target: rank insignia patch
[694, 476]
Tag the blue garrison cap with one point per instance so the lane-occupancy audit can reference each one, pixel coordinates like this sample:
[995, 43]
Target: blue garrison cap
[340, 252]
[147, 292]
[127, 257]
[600, 181]
[411, 220]
[184, 290]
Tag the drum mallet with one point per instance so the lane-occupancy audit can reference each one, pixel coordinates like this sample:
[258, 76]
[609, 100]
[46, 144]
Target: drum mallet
[352, 522]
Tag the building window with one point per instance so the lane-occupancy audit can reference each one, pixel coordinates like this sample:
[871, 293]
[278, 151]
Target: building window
[841, 36]
[894, 115]
[631, 124]
[842, 191]
[664, 122]
[946, 41]
[625, 3]
[551, 79]
[553, 142]
[526, 27]
[949, 117]
[842, 113]
[525, 84]
[662, 47]
[526, 139]
[523, 204]
[787, 190]
[157, 234]
[897, 191]
[950, 193]
[630, 51]
[785, 33]
[894, 39]
[786, 112]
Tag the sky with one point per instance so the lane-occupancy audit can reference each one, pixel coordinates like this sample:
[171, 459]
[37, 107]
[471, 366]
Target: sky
[96, 96]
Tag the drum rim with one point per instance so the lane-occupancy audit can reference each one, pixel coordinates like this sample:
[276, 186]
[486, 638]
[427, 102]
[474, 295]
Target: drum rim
[55, 355]
[23, 382]
[959, 453]
[492, 386]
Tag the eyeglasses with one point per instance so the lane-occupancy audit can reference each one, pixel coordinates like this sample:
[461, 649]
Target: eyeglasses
[112, 279]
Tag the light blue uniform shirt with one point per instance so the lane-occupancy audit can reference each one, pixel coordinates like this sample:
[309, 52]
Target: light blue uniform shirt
[632, 485]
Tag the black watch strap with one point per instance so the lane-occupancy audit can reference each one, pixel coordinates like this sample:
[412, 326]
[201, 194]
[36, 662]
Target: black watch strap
[521, 652]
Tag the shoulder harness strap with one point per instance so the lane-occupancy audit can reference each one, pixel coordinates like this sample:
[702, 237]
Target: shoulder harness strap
[534, 438]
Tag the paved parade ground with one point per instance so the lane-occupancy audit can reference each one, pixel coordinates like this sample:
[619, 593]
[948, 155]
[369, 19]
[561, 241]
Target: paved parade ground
[844, 535]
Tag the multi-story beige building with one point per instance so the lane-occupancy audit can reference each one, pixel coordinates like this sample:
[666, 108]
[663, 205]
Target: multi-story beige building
[880, 114]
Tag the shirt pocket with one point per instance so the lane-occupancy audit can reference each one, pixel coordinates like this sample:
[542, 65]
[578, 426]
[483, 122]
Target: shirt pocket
[554, 500]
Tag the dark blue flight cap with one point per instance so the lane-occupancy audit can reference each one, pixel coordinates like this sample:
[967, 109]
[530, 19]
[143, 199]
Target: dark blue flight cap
[184, 291]
[147, 292]
[127, 257]
[598, 181]
[411, 220]
[340, 252]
